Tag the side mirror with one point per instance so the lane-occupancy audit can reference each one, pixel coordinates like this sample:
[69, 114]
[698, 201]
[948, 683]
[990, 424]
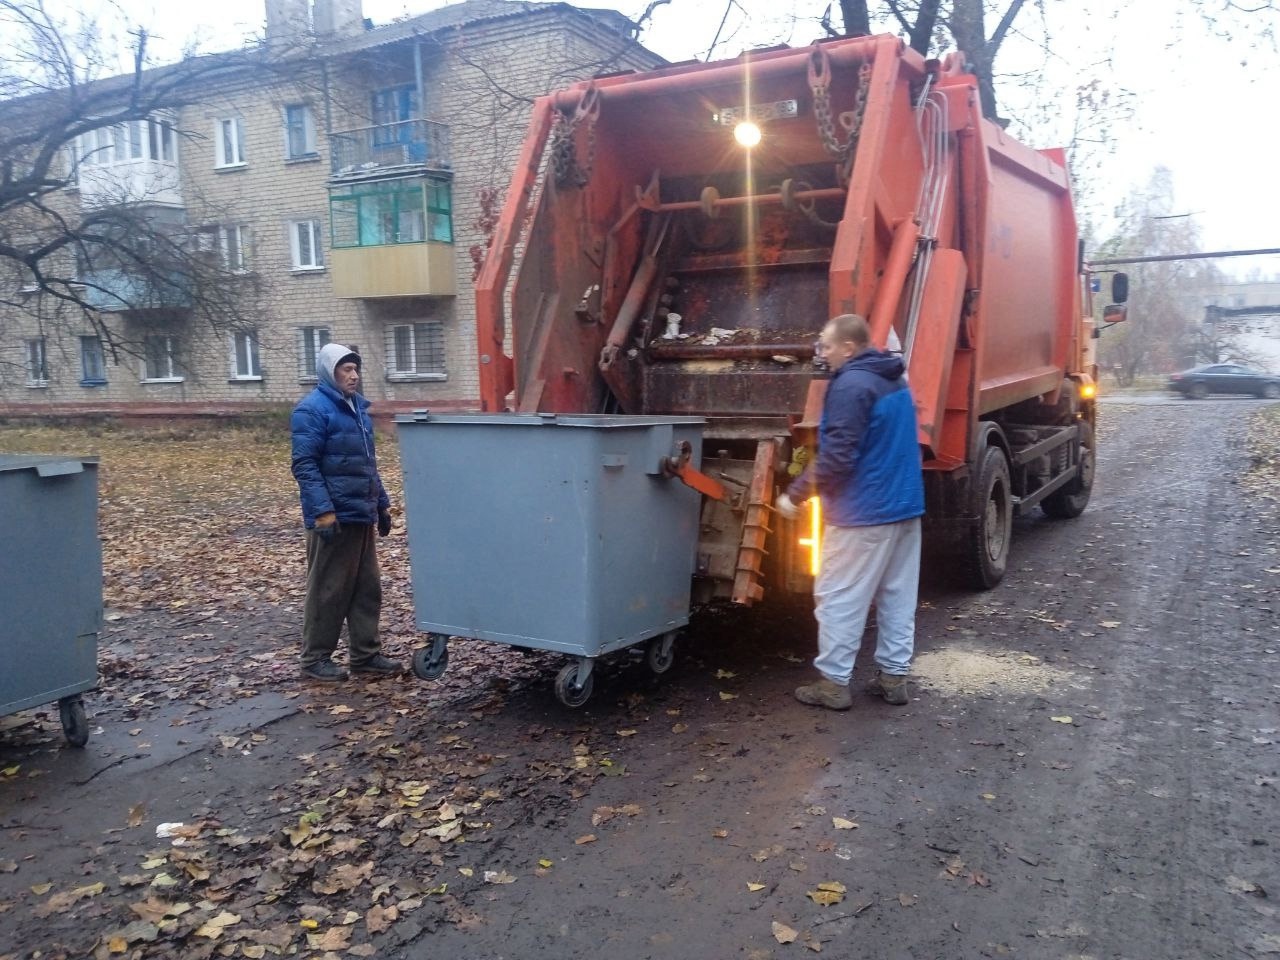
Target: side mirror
[1114, 313]
[1119, 288]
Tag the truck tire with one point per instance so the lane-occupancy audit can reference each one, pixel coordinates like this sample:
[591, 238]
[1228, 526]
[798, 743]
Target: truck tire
[986, 552]
[1069, 502]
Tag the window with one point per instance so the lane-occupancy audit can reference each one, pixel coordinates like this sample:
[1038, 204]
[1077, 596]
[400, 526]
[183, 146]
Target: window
[231, 242]
[439, 211]
[93, 367]
[310, 340]
[393, 108]
[306, 245]
[229, 142]
[128, 141]
[415, 351]
[37, 365]
[158, 360]
[246, 362]
[405, 211]
[299, 132]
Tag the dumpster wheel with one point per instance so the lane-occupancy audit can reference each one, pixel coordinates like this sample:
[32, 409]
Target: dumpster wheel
[75, 725]
[660, 653]
[571, 691]
[429, 662]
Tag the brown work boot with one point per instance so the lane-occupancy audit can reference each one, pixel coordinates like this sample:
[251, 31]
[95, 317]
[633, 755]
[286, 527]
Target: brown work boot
[825, 693]
[893, 688]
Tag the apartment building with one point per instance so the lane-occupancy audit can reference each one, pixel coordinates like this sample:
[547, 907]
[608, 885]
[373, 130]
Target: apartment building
[338, 176]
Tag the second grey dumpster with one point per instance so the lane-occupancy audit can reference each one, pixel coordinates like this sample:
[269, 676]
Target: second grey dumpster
[549, 532]
[50, 586]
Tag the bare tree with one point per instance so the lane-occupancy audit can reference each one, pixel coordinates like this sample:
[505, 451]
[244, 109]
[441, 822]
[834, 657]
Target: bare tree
[74, 242]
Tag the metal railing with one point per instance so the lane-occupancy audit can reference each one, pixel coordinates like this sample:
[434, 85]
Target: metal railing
[408, 144]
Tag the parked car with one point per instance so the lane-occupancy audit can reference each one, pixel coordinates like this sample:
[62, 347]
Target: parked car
[1198, 382]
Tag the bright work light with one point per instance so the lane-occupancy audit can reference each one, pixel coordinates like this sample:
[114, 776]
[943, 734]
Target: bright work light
[747, 134]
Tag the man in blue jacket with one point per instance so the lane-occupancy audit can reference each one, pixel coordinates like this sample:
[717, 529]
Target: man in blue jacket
[343, 501]
[867, 474]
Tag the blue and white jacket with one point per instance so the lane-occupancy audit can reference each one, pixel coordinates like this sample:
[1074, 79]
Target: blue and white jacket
[333, 453]
[867, 470]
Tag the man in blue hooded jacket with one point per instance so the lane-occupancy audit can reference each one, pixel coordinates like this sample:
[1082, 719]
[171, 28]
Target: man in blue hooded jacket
[868, 476]
[343, 501]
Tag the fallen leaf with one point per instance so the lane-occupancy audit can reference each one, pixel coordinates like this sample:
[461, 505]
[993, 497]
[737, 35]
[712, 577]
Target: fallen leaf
[498, 876]
[378, 919]
[11, 771]
[720, 834]
[589, 838]
[825, 898]
[1109, 624]
[466, 871]
[137, 813]
[1239, 885]
[728, 696]
[679, 728]
[988, 796]
[212, 929]
[546, 864]
[340, 709]
[840, 823]
[725, 674]
[977, 879]
[908, 899]
[754, 887]
[833, 886]
[626, 733]
[1062, 719]
[8, 866]
[783, 934]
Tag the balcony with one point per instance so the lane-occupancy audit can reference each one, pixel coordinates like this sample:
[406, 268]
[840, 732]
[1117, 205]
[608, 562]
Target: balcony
[388, 150]
[405, 270]
[115, 291]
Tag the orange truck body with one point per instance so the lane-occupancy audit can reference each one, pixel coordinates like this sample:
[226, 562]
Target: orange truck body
[876, 188]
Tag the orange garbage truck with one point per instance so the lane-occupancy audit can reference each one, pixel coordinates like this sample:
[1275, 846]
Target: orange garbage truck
[672, 243]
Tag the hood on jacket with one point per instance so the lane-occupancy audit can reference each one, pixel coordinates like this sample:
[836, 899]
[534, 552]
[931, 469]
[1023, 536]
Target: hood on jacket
[880, 362]
[330, 357]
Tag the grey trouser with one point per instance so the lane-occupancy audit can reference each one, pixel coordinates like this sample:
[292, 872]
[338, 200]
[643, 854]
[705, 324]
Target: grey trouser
[343, 583]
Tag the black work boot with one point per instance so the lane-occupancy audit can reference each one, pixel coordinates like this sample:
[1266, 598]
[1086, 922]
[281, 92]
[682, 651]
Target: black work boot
[325, 671]
[893, 688]
[377, 666]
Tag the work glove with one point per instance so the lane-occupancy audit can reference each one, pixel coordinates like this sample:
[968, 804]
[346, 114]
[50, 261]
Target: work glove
[786, 507]
[384, 522]
[326, 527]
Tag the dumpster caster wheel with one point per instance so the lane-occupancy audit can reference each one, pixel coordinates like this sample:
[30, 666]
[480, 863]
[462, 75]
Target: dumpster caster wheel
[75, 726]
[568, 690]
[660, 653]
[430, 662]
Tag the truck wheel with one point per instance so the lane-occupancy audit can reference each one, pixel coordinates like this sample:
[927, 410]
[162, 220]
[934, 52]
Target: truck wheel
[1067, 503]
[987, 548]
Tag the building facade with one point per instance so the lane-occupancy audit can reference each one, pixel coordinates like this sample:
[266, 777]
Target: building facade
[340, 178]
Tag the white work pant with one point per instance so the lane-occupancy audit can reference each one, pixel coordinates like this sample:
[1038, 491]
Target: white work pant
[861, 565]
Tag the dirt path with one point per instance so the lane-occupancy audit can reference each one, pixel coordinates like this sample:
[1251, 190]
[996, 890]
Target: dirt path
[1088, 769]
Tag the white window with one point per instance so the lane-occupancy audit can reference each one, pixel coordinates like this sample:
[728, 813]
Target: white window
[415, 351]
[129, 141]
[305, 244]
[232, 243]
[246, 362]
[93, 367]
[159, 362]
[310, 340]
[228, 139]
[37, 365]
[299, 131]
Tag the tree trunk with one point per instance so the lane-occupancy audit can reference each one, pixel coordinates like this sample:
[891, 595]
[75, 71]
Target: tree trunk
[857, 20]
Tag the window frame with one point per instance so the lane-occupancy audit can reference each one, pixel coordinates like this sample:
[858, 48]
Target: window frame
[222, 234]
[310, 342]
[87, 376]
[374, 215]
[253, 355]
[308, 130]
[170, 359]
[415, 331]
[316, 232]
[235, 126]
[36, 352]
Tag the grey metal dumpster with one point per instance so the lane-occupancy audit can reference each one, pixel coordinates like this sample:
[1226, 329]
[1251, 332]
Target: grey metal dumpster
[551, 532]
[50, 586]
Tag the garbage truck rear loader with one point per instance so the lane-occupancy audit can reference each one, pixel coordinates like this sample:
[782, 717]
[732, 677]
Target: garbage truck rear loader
[672, 243]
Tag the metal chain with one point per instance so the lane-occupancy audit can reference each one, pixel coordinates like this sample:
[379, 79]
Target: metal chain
[564, 147]
[842, 152]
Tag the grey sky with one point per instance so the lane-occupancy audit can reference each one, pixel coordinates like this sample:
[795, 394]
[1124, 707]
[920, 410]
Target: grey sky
[1203, 104]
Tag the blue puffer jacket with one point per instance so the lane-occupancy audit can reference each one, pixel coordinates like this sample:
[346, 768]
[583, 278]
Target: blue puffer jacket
[333, 454]
[868, 466]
